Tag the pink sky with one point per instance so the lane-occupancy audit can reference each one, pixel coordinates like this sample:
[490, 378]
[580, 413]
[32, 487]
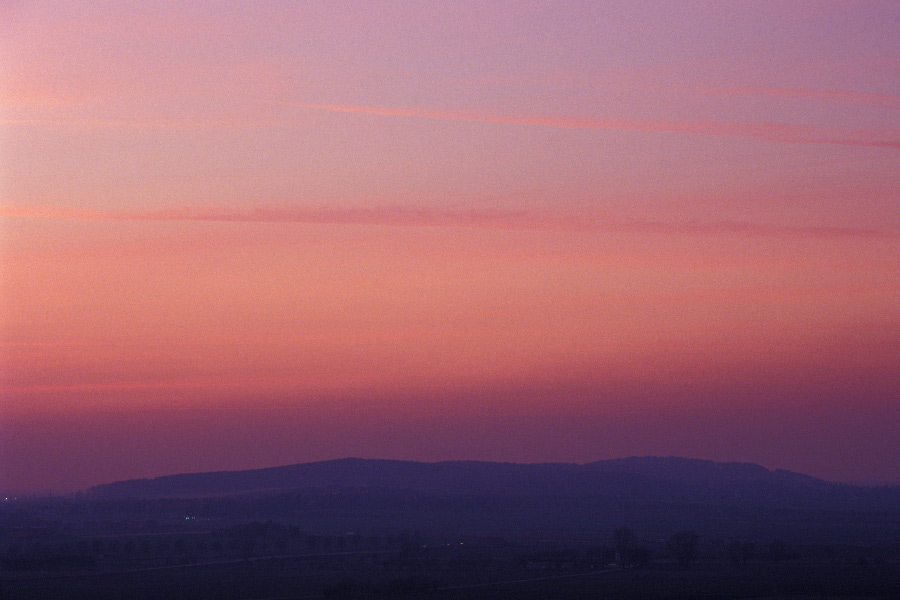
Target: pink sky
[240, 235]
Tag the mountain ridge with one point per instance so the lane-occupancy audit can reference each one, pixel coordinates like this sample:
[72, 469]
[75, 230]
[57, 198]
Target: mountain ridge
[632, 479]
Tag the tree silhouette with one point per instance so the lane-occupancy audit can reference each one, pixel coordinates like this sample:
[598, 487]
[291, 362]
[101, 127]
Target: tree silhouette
[623, 540]
[639, 556]
[740, 551]
[683, 546]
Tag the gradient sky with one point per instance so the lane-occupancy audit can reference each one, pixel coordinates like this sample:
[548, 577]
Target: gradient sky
[237, 235]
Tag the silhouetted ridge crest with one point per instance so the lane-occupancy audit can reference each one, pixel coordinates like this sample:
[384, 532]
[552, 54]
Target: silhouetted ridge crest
[662, 480]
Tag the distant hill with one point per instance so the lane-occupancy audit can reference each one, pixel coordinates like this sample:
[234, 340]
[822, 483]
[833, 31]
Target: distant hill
[635, 480]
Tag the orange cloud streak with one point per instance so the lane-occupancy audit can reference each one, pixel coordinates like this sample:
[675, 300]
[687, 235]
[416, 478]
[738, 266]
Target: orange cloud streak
[434, 217]
[149, 124]
[829, 96]
[774, 132]
[844, 97]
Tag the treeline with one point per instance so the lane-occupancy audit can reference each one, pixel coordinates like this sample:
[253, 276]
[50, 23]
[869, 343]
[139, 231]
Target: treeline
[240, 541]
[74, 532]
[253, 540]
[387, 510]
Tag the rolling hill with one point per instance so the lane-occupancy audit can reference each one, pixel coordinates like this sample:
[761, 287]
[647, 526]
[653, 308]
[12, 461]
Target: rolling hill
[638, 479]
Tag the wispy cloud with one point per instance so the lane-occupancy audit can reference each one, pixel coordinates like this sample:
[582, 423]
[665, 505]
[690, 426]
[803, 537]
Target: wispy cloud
[145, 124]
[437, 217]
[813, 95]
[775, 132]
[767, 131]
[628, 81]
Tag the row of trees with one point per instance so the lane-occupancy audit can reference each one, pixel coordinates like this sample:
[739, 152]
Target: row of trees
[683, 546]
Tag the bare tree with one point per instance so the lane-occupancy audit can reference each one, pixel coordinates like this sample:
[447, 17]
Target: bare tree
[623, 540]
[683, 546]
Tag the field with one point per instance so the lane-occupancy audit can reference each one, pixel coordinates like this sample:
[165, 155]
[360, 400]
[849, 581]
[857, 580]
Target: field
[370, 575]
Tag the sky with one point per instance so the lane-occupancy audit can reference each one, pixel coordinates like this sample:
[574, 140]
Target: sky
[245, 234]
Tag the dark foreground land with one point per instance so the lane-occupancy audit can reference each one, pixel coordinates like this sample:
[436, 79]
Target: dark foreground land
[640, 528]
[299, 578]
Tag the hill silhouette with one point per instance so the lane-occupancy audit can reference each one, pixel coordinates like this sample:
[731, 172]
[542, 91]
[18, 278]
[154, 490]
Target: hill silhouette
[637, 479]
